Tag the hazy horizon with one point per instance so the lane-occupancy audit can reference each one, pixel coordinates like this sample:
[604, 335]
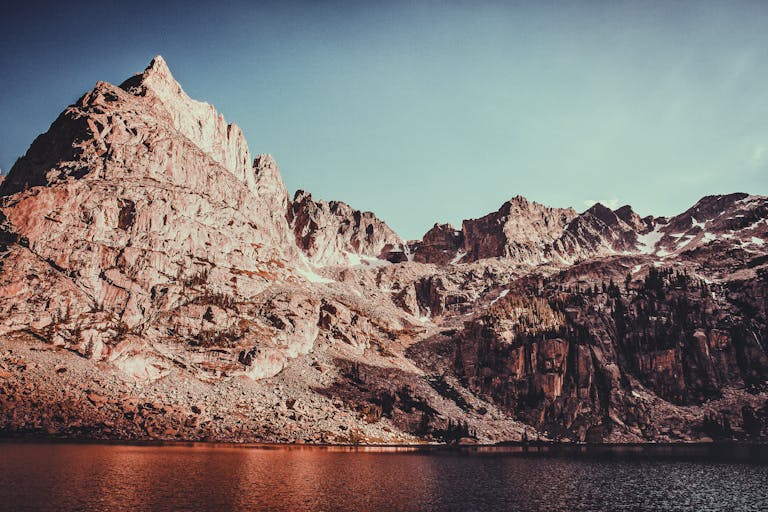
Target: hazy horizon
[427, 112]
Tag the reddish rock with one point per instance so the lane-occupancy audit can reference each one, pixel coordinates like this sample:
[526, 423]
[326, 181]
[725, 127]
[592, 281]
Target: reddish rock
[441, 245]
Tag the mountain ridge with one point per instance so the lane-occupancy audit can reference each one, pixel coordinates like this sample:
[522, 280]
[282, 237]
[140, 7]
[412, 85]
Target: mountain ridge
[158, 282]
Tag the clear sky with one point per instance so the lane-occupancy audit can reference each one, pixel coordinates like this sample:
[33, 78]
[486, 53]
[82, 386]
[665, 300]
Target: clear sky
[434, 111]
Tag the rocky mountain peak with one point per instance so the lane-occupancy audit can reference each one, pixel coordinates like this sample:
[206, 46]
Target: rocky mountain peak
[267, 181]
[737, 220]
[628, 215]
[597, 231]
[158, 66]
[522, 201]
[605, 214]
[196, 120]
[144, 201]
[156, 77]
[520, 229]
[300, 195]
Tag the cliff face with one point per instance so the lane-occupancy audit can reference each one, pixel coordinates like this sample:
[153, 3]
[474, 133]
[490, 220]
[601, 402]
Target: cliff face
[441, 245]
[579, 361]
[335, 234]
[138, 211]
[519, 230]
[157, 282]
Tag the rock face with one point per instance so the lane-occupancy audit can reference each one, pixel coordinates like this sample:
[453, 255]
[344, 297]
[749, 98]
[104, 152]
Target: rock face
[599, 232]
[519, 230]
[733, 220]
[332, 233]
[532, 234]
[135, 204]
[143, 248]
[546, 354]
[441, 245]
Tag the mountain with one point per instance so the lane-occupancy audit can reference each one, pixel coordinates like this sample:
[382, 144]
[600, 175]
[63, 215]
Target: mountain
[157, 281]
[335, 234]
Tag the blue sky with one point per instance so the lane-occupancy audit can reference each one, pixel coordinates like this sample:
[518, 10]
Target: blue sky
[430, 112]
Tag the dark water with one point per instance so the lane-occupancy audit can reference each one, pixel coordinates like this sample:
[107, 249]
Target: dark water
[215, 477]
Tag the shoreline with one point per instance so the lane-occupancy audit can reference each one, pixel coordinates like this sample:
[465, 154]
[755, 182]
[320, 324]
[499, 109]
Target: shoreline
[716, 452]
[6, 439]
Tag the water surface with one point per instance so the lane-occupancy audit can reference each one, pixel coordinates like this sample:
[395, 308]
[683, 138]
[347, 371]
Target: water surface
[50, 476]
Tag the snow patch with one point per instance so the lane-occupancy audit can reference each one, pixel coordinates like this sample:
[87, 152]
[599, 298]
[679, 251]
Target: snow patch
[687, 239]
[750, 199]
[755, 225]
[647, 243]
[309, 274]
[314, 278]
[459, 254]
[502, 294]
[356, 260]
[698, 224]
[407, 252]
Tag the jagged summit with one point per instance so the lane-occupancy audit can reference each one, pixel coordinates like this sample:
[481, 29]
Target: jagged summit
[158, 66]
[196, 120]
[157, 75]
[603, 213]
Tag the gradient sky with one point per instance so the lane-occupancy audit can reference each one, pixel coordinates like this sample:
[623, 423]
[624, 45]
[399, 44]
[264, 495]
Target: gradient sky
[430, 112]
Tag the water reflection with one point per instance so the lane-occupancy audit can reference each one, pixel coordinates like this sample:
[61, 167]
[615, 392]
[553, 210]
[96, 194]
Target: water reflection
[225, 477]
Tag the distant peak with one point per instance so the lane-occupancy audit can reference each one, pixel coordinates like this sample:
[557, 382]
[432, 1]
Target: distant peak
[444, 227]
[517, 203]
[598, 207]
[158, 64]
[626, 213]
[155, 76]
[158, 67]
[603, 213]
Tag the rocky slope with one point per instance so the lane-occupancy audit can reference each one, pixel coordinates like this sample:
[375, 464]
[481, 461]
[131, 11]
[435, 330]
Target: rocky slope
[156, 282]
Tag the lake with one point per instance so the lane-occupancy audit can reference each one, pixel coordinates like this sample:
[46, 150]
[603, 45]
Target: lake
[192, 477]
